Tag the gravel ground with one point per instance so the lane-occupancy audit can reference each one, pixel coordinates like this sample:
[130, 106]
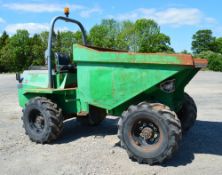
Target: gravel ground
[88, 151]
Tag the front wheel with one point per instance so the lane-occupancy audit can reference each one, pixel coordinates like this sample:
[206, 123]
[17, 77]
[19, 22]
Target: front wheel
[149, 132]
[42, 120]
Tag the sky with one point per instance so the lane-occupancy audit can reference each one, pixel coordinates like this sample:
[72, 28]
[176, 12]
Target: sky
[179, 19]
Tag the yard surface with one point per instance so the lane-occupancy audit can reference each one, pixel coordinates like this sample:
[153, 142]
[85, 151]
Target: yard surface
[94, 150]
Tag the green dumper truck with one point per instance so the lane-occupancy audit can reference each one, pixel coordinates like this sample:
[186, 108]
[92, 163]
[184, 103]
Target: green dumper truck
[145, 90]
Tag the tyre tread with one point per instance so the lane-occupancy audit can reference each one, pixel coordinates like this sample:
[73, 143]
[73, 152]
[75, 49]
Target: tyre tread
[54, 115]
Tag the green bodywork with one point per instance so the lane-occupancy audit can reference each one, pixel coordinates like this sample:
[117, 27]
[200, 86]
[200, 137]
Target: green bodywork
[111, 80]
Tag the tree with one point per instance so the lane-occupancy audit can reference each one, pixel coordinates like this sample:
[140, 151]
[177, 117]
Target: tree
[3, 39]
[105, 34]
[185, 52]
[16, 55]
[162, 44]
[3, 42]
[97, 35]
[146, 32]
[68, 39]
[77, 37]
[142, 36]
[145, 36]
[44, 38]
[126, 36]
[203, 41]
[21, 43]
[57, 42]
[219, 44]
[64, 41]
[37, 50]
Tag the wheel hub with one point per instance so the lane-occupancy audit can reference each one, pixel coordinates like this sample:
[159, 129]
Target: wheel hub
[39, 122]
[146, 133]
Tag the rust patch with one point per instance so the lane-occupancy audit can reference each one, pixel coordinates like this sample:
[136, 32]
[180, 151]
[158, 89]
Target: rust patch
[185, 59]
[149, 148]
[104, 49]
[156, 145]
[82, 114]
[200, 63]
[158, 106]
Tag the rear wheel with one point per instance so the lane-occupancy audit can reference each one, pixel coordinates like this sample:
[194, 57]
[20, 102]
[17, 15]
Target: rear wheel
[42, 120]
[95, 117]
[149, 132]
[188, 113]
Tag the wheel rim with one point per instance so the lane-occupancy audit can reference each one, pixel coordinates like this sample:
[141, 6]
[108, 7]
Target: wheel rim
[145, 133]
[37, 121]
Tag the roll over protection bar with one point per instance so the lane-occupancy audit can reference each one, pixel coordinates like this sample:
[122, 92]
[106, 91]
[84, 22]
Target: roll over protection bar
[48, 54]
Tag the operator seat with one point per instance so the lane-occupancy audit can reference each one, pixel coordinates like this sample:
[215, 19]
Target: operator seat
[63, 63]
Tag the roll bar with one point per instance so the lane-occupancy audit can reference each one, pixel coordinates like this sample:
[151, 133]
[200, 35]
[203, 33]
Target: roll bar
[48, 55]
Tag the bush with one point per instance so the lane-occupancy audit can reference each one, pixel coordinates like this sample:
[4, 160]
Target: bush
[215, 64]
[214, 60]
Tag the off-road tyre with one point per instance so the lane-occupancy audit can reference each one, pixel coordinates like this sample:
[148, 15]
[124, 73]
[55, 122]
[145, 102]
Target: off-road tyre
[165, 121]
[95, 117]
[188, 113]
[42, 120]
